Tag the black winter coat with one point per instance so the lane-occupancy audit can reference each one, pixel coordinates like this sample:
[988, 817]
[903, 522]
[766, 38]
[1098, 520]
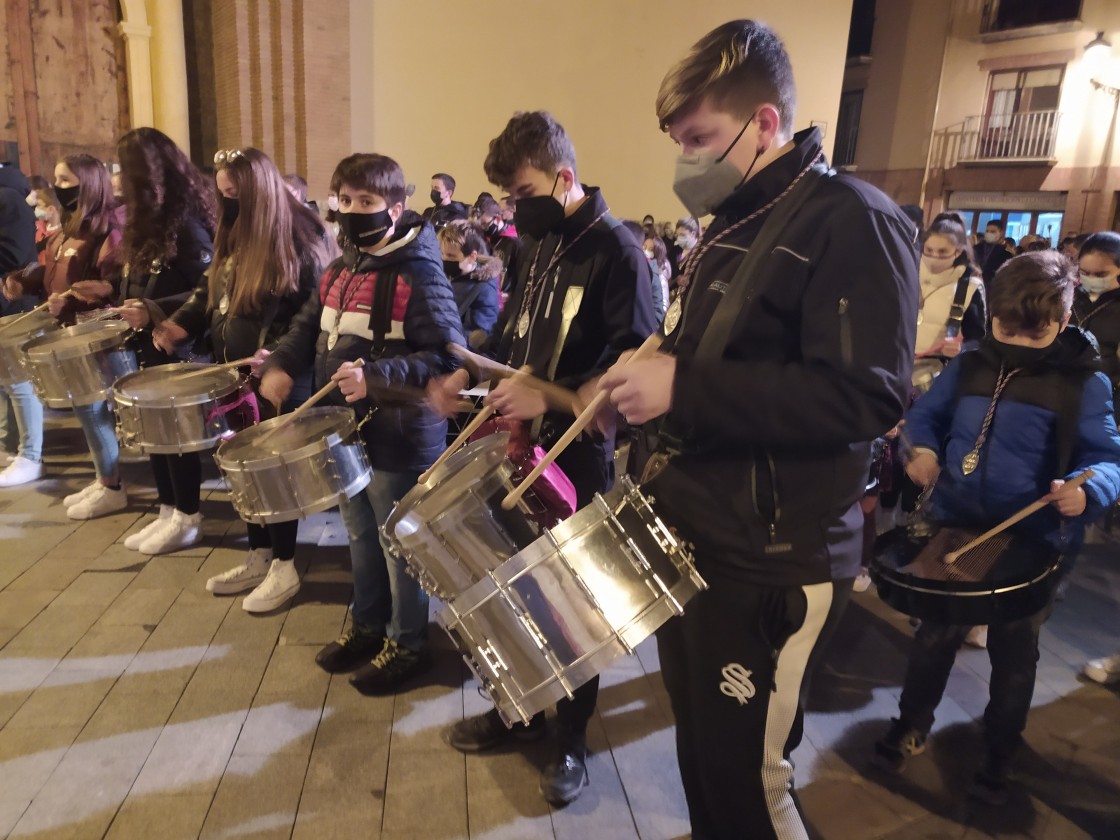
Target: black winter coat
[17, 222]
[775, 436]
[1101, 318]
[399, 437]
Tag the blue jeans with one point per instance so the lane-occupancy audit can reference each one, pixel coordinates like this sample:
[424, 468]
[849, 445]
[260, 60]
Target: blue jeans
[385, 595]
[97, 423]
[28, 414]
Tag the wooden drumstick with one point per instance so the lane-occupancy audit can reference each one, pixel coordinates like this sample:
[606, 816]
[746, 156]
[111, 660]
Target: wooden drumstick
[179, 377]
[1033, 507]
[557, 397]
[472, 427]
[290, 418]
[38, 308]
[648, 348]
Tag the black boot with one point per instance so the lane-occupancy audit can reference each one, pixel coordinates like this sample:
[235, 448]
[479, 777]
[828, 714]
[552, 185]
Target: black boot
[486, 731]
[355, 647]
[564, 779]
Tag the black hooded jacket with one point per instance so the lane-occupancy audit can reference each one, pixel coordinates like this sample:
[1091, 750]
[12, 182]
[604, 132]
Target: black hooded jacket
[775, 435]
[17, 221]
[400, 436]
[1101, 318]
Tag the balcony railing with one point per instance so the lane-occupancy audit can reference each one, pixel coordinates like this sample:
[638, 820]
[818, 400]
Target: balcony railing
[1026, 136]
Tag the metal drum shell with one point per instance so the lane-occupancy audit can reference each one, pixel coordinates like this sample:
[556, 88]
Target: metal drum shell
[451, 530]
[296, 483]
[174, 424]
[585, 593]
[33, 325]
[78, 372]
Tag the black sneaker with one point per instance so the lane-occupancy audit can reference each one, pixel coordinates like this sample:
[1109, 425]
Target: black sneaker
[486, 731]
[391, 669]
[355, 646]
[989, 785]
[900, 742]
[564, 779]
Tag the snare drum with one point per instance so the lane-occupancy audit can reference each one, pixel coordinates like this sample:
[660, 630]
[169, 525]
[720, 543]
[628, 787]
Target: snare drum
[161, 412]
[306, 467]
[452, 530]
[13, 336]
[585, 593]
[78, 365]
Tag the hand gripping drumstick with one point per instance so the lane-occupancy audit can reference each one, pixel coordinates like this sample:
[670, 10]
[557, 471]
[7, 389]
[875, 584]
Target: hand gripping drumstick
[1033, 507]
[314, 398]
[557, 397]
[38, 308]
[470, 429]
[648, 348]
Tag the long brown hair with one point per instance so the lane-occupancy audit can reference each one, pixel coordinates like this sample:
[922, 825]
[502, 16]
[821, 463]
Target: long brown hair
[273, 235]
[163, 191]
[94, 215]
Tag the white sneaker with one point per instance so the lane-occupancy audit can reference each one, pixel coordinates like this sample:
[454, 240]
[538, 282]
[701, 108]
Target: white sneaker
[279, 587]
[74, 498]
[178, 532]
[246, 576]
[1104, 671]
[21, 471]
[134, 541]
[978, 636]
[862, 582]
[100, 501]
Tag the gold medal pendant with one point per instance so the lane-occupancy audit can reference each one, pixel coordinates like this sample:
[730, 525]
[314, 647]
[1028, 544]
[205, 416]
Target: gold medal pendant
[920, 317]
[673, 316]
[332, 338]
[970, 462]
[523, 325]
[223, 304]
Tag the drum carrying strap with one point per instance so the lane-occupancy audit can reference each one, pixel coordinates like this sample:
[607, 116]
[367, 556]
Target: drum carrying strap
[381, 312]
[744, 283]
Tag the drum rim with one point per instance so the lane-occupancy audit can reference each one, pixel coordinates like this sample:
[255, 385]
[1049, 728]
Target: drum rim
[236, 382]
[38, 323]
[37, 350]
[902, 579]
[334, 438]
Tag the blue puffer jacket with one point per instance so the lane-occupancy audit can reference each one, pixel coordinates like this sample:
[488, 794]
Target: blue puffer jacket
[399, 436]
[1019, 460]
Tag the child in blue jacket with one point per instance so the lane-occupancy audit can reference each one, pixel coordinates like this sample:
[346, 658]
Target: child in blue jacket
[1002, 426]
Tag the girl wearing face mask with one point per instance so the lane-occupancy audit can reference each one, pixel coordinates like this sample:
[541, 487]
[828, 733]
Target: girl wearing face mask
[948, 278]
[1096, 303]
[269, 251]
[654, 249]
[474, 276]
[48, 217]
[77, 255]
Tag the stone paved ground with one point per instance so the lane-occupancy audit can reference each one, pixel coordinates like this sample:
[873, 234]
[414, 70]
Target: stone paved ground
[135, 705]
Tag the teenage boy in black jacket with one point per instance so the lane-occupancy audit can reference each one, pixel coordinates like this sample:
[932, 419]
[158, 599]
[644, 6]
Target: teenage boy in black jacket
[388, 303]
[583, 286]
[767, 439]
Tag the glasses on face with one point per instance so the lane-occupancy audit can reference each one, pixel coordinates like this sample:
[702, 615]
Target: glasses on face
[224, 156]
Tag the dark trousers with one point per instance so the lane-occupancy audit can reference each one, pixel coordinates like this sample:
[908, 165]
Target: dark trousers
[279, 536]
[736, 666]
[178, 480]
[1013, 651]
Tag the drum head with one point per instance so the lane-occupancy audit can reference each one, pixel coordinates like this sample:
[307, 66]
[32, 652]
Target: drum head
[79, 340]
[316, 425]
[161, 383]
[29, 323]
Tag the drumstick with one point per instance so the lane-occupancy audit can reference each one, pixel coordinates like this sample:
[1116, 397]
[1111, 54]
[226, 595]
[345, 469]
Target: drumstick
[464, 436]
[557, 397]
[1033, 507]
[38, 308]
[288, 419]
[648, 348]
[179, 377]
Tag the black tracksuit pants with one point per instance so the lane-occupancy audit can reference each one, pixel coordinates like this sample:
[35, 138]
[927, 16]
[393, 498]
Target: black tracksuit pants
[1013, 651]
[737, 667]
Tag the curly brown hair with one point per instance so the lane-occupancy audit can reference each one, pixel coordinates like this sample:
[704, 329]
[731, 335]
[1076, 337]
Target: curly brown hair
[163, 191]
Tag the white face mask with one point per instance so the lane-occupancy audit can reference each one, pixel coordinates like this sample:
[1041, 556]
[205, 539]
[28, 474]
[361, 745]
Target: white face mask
[937, 265]
[41, 213]
[991, 238]
[683, 241]
[332, 203]
[1098, 285]
[649, 254]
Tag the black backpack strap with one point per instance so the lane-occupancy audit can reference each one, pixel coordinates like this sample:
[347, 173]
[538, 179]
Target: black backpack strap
[956, 311]
[381, 312]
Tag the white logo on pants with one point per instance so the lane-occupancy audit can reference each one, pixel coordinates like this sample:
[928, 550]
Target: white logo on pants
[737, 682]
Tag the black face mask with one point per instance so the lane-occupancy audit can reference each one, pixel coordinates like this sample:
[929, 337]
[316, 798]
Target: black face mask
[365, 229]
[451, 269]
[231, 207]
[493, 228]
[436, 197]
[1016, 356]
[538, 215]
[68, 197]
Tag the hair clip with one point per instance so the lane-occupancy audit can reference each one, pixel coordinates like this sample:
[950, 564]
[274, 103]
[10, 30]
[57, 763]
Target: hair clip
[224, 156]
